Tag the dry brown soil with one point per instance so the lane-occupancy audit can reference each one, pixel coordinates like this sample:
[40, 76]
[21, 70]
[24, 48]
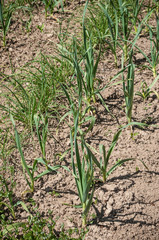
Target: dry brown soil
[127, 205]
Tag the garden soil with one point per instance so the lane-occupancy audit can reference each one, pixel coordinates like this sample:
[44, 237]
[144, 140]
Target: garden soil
[127, 205]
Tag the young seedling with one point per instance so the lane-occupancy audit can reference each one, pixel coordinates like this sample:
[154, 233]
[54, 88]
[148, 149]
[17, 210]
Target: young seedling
[90, 65]
[128, 87]
[6, 191]
[83, 173]
[41, 124]
[136, 9]
[85, 77]
[30, 170]
[74, 110]
[5, 21]
[145, 91]
[90, 68]
[73, 99]
[41, 27]
[104, 159]
[113, 30]
[125, 26]
[103, 163]
[154, 48]
[50, 5]
[21, 104]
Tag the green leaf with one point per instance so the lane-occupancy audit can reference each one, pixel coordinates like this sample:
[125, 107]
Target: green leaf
[119, 163]
[1, 14]
[24, 207]
[88, 205]
[24, 164]
[12, 227]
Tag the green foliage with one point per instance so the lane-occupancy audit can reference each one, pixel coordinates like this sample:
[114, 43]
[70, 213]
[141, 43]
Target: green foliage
[104, 158]
[74, 94]
[111, 37]
[30, 170]
[5, 148]
[126, 28]
[5, 19]
[51, 4]
[83, 173]
[145, 91]
[37, 227]
[41, 90]
[7, 184]
[6, 13]
[136, 10]
[154, 47]
[128, 87]
[42, 130]
[6, 189]
[41, 27]
[35, 90]
[90, 68]
[96, 23]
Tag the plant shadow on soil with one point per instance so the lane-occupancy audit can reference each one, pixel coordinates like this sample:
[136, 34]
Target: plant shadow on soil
[116, 216]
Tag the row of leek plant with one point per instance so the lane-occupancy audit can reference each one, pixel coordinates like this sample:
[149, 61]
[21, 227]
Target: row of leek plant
[120, 27]
[83, 159]
[30, 172]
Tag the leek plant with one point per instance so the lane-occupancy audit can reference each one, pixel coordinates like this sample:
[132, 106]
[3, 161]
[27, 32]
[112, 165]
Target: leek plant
[74, 110]
[154, 48]
[90, 65]
[113, 30]
[29, 171]
[154, 41]
[102, 164]
[147, 90]
[97, 24]
[90, 68]
[136, 9]
[82, 172]
[119, 27]
[128, 86]
[85, 76]
[126, 28]
[42, 130]
[5, 19]
[104, 160]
